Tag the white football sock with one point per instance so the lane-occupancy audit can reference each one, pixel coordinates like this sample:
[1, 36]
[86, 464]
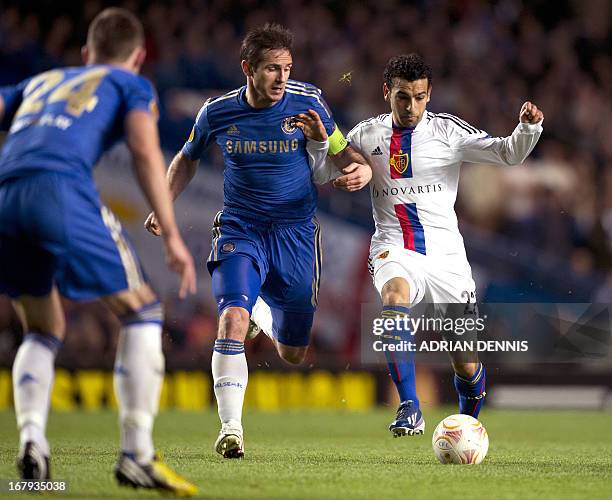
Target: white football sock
[230, 376]
[139, 374]
[33, 373]
[261, 314]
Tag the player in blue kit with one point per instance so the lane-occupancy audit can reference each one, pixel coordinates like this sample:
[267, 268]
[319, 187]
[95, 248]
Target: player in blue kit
[266, 241]
[57, 239]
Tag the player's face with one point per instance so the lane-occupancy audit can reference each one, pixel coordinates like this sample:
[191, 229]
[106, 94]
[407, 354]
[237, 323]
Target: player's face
[271, 75]
[408, 100]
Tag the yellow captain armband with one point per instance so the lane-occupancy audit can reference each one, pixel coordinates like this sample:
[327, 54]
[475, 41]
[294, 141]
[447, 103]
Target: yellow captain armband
[337, 142]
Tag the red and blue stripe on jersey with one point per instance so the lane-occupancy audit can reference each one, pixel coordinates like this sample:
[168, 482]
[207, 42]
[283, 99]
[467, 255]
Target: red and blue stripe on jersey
[412, 229]
[400, 167]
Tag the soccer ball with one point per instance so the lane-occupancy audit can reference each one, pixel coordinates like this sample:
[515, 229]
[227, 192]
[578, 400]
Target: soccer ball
[460, 439]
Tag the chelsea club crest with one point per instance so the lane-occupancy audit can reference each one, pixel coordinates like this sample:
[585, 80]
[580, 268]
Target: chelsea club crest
[288, 125]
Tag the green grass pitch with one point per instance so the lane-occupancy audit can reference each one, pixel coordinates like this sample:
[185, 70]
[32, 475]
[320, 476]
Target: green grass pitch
[544, 454]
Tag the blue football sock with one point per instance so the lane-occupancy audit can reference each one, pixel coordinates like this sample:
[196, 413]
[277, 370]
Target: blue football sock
[401, 363]
[471, 392]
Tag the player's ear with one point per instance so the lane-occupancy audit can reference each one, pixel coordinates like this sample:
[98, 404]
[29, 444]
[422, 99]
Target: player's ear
[136, 59]
[246, 68]
[429, 92]
[140, 56]
[386, 91]
[85, 54]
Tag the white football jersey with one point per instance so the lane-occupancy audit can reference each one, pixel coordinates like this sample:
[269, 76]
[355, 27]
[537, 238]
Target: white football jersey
[416, 174]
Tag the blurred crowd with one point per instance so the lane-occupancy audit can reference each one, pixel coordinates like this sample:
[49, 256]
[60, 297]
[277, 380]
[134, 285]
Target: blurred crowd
[488, 57]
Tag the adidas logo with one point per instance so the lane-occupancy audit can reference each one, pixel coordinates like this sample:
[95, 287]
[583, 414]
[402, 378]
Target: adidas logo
[233, 130]
[377, 151]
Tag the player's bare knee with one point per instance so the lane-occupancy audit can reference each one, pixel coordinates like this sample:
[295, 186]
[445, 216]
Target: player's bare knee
[292, 355]
[394, 297]
[396, 291]
[465, 370]
[233, 323]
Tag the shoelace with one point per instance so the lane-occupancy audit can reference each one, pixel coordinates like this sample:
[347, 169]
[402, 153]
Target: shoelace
[405, 412]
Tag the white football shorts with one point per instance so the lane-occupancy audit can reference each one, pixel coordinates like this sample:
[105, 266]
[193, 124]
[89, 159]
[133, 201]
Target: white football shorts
[434, 280]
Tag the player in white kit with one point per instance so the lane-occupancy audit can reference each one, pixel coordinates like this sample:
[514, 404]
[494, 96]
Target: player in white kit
[417, 253]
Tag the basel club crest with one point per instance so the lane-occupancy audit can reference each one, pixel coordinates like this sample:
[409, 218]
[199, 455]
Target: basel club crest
[399, 162]
[288, 125]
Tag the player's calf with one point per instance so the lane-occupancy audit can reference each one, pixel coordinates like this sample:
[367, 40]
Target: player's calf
[33, 371]
[42, 314]
[230, 376]
[129, 302]
[138, 377]
[470, 389]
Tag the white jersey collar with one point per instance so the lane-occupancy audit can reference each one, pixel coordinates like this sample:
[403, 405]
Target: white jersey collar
[422, 125]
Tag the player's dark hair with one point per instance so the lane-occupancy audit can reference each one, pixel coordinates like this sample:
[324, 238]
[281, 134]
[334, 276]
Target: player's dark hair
[114, 33]
[257, 41]
[408, 67]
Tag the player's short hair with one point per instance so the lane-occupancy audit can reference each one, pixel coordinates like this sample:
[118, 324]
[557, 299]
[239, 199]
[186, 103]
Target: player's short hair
[270, 36]
[114, 33]
[408, 67]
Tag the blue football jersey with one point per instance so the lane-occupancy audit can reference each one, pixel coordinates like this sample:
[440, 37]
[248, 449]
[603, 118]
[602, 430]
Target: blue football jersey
[64, 119]
[267, 176]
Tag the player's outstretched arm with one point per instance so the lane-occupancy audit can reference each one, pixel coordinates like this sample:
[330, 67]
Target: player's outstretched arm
[143, 141]
[180, 173]
[511, 150]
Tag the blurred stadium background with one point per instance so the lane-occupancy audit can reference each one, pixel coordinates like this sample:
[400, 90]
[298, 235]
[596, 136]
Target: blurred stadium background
[537, 233]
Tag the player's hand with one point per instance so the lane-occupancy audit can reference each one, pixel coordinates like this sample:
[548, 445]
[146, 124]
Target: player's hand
[311, 125]
[180, 261]
[152, 224]
[356, 176]
[530, 113]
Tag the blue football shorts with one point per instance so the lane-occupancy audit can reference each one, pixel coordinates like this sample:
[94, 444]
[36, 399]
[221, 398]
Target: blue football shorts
[279, 262]
[54, 230]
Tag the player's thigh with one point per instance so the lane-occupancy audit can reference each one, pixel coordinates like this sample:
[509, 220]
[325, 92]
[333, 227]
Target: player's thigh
[32, 237]
[236, 282]
[296, 259]
[26, 268]
[447, 287]
[291, 288]
[292, 332]
[99, 261]
[453, 297]
[231, 237]
[392, 268]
